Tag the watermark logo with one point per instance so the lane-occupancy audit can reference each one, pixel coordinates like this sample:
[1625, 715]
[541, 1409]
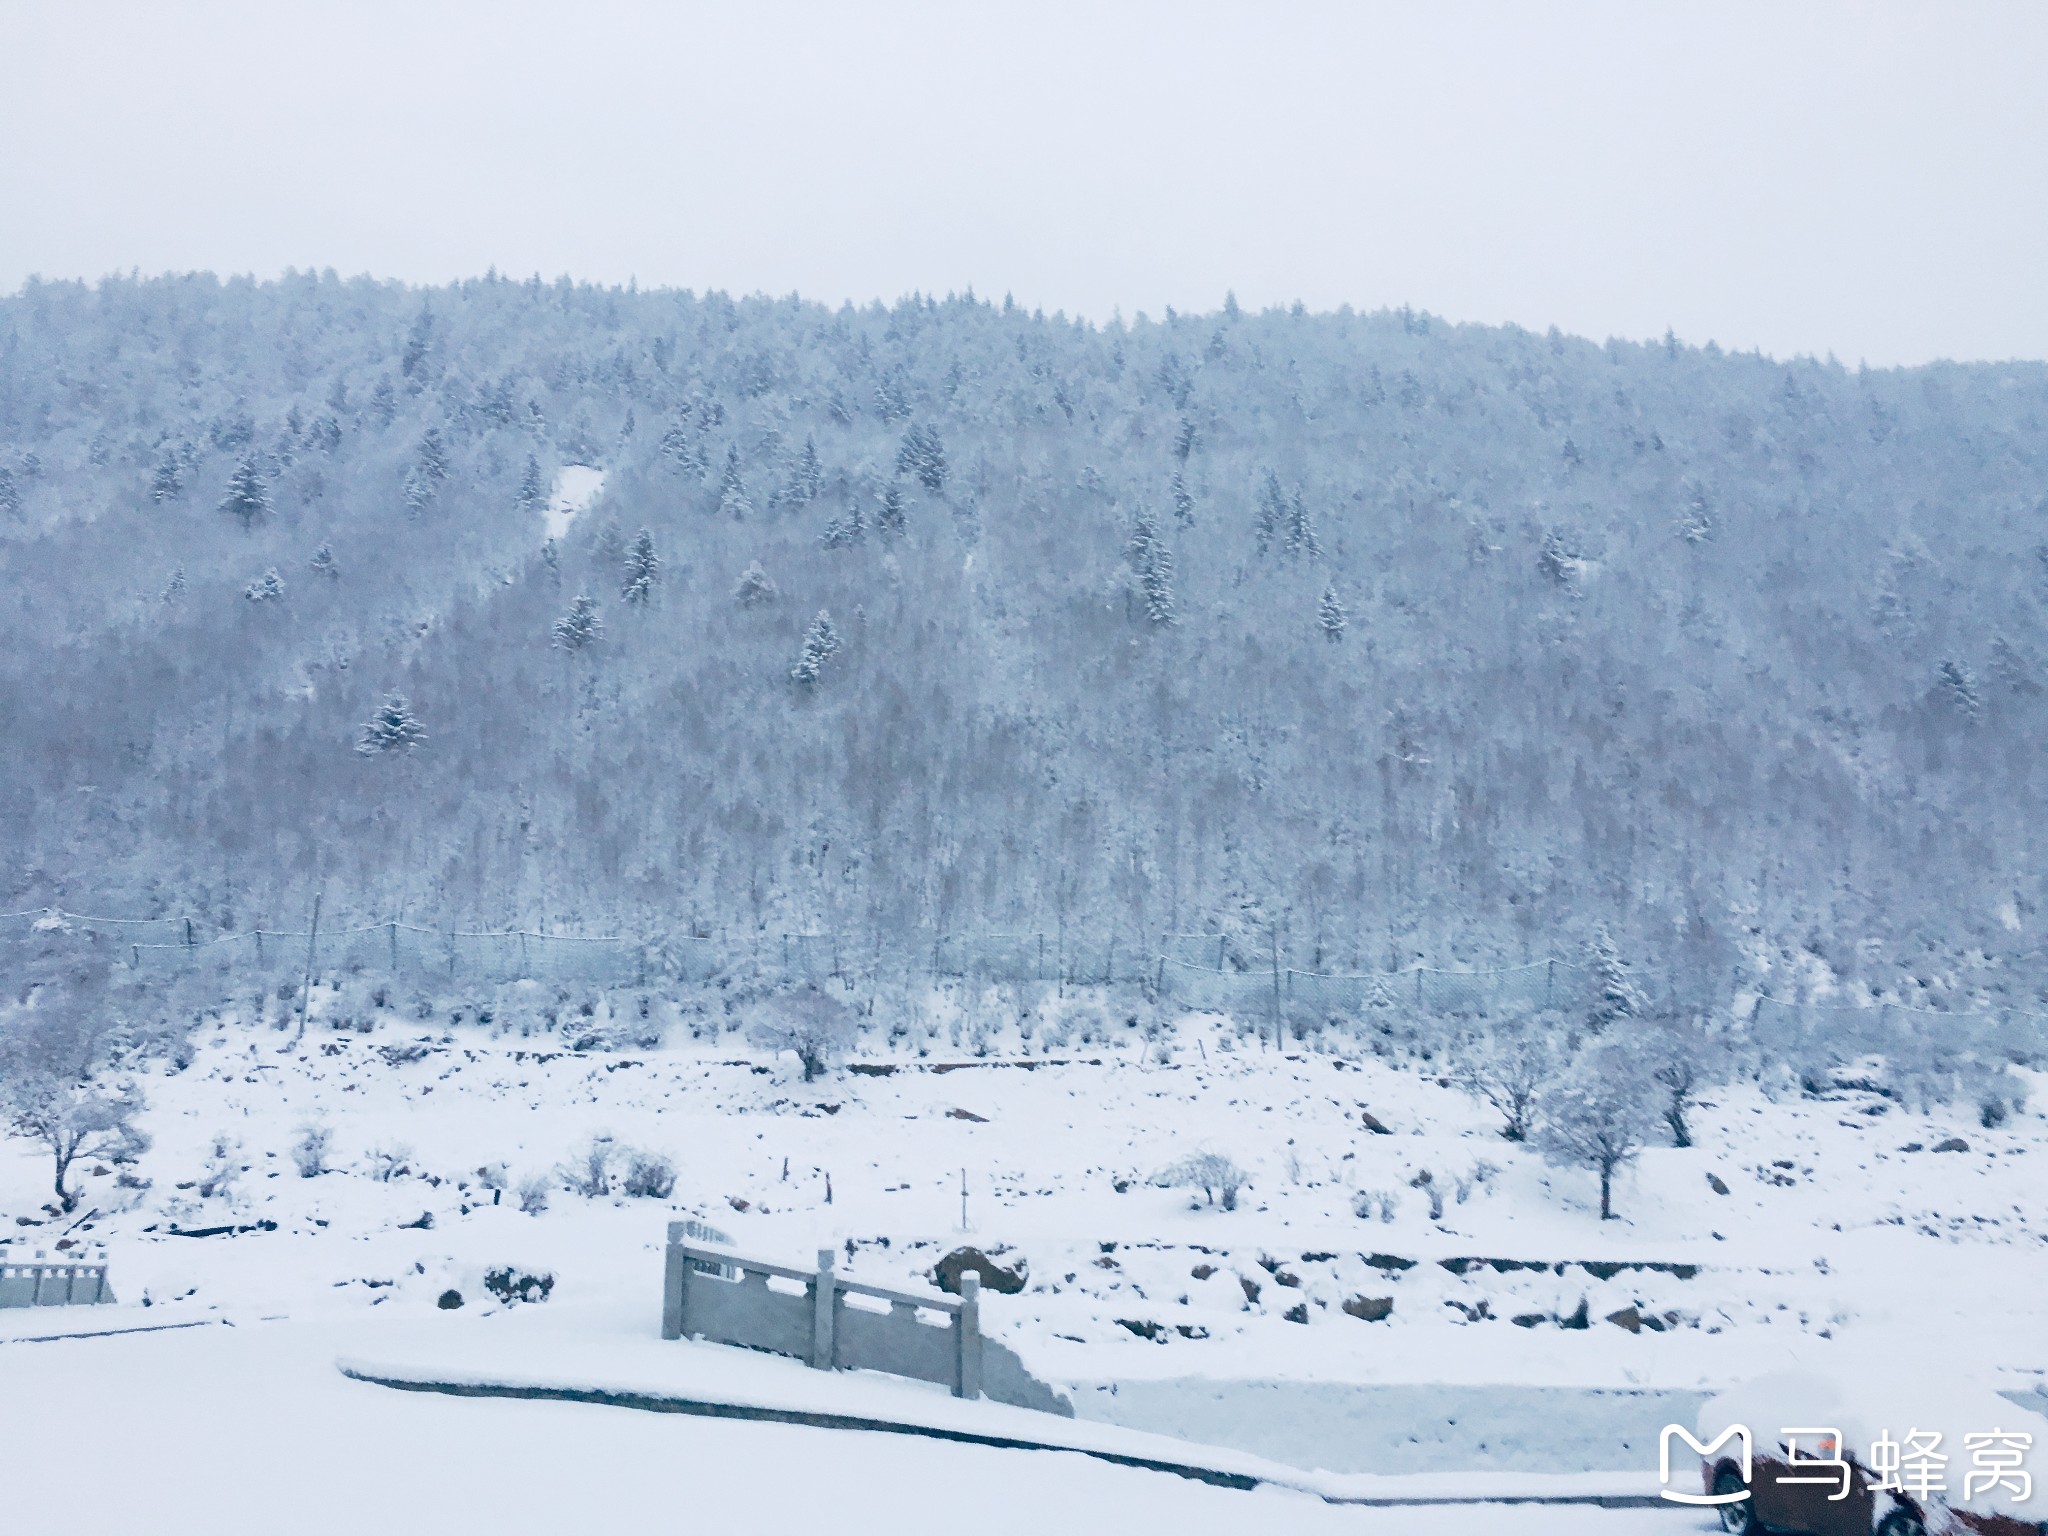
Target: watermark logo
[1739, 1433]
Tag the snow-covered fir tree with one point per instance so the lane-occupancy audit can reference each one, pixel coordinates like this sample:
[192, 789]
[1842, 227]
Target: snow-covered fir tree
[533, 493]
[821, 644]
[732, 489]
[267, 588]
[753, 588]
[891, 520]
[1331, 616]
[579, 628]
[393, 728]
[168, 479]
[643, 569]
[247, 497]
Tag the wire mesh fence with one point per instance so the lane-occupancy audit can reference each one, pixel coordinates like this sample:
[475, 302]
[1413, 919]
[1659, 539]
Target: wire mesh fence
[1218, 972]
[1826, 1035]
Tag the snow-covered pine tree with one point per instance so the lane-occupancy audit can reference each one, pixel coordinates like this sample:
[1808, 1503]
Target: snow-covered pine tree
[732, 490]
[1616, 993]
[852, 528]
[643, 569]
[821, 642]
[533, 494]
[176, 589]
[10, 493]
[923, 455]
[419, 492]
[807, 479]
[430, 459]
[579, 628]
[753, 588]
[1331, 615]
[1695, 526]
[1301, 529]
[1152, 561]
[247, 496]
[1185, 439]
[322, 564]
[1183, 501]
[267, 588]
[1960, 684]
[890, 521]
[675, 445]
[1272, 511]
[168, 480]
[393, 728]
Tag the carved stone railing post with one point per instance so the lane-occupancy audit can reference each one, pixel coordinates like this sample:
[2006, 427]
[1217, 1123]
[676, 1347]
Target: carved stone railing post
[824, 1297]
[675, 1277]
[967, 1334]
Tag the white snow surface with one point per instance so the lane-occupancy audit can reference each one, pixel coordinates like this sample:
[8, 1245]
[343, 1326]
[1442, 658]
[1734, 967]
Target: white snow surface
[250, 1431]
[1835, 1244]
[576, 486]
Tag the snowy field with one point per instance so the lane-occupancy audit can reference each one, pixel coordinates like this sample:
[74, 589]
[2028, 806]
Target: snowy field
[1510, 1331]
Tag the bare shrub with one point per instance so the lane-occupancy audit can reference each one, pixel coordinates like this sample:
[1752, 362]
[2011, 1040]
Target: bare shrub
[817, 1028]
[1509, 1065]
[588, 1172]
[223, 1170]
[389, 1162]
[1426, 1182]
[649, 1176]
[1219, 1178]
[309, 1152]
[1367, 1202]
[533, 1194]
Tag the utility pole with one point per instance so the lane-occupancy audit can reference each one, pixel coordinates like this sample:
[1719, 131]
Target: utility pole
[1273, 938]
[306, 991]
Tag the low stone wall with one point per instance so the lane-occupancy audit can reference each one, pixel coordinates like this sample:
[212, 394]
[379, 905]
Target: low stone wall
[836, 1324]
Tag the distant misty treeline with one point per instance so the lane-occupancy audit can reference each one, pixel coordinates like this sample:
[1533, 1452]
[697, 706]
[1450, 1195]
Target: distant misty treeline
[1368, 637]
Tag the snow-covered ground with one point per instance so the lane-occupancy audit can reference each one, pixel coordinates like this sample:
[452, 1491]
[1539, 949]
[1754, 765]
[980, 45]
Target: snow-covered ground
[576, 486]
[1842, 1232]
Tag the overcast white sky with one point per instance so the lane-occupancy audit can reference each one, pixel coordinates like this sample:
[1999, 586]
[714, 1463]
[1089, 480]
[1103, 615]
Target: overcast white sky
[1870, 180]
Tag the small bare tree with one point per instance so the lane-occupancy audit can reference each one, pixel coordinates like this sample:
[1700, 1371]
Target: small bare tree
[1597, 1116]
[1509, 1066]
[818, 1029]
[53, 1042]
[1684, 1057]
[1218, 1177]
[74, 1120]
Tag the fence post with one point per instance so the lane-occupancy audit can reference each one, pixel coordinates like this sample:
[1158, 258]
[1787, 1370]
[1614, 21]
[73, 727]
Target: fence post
[824, 1297]
[967, 1334]
[1549, 980]
[188, 933]
[675, 1276]
[393, 929]
[259, 946]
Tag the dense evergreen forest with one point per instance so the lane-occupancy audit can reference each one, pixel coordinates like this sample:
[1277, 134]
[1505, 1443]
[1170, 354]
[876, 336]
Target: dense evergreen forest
[1395, 638]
